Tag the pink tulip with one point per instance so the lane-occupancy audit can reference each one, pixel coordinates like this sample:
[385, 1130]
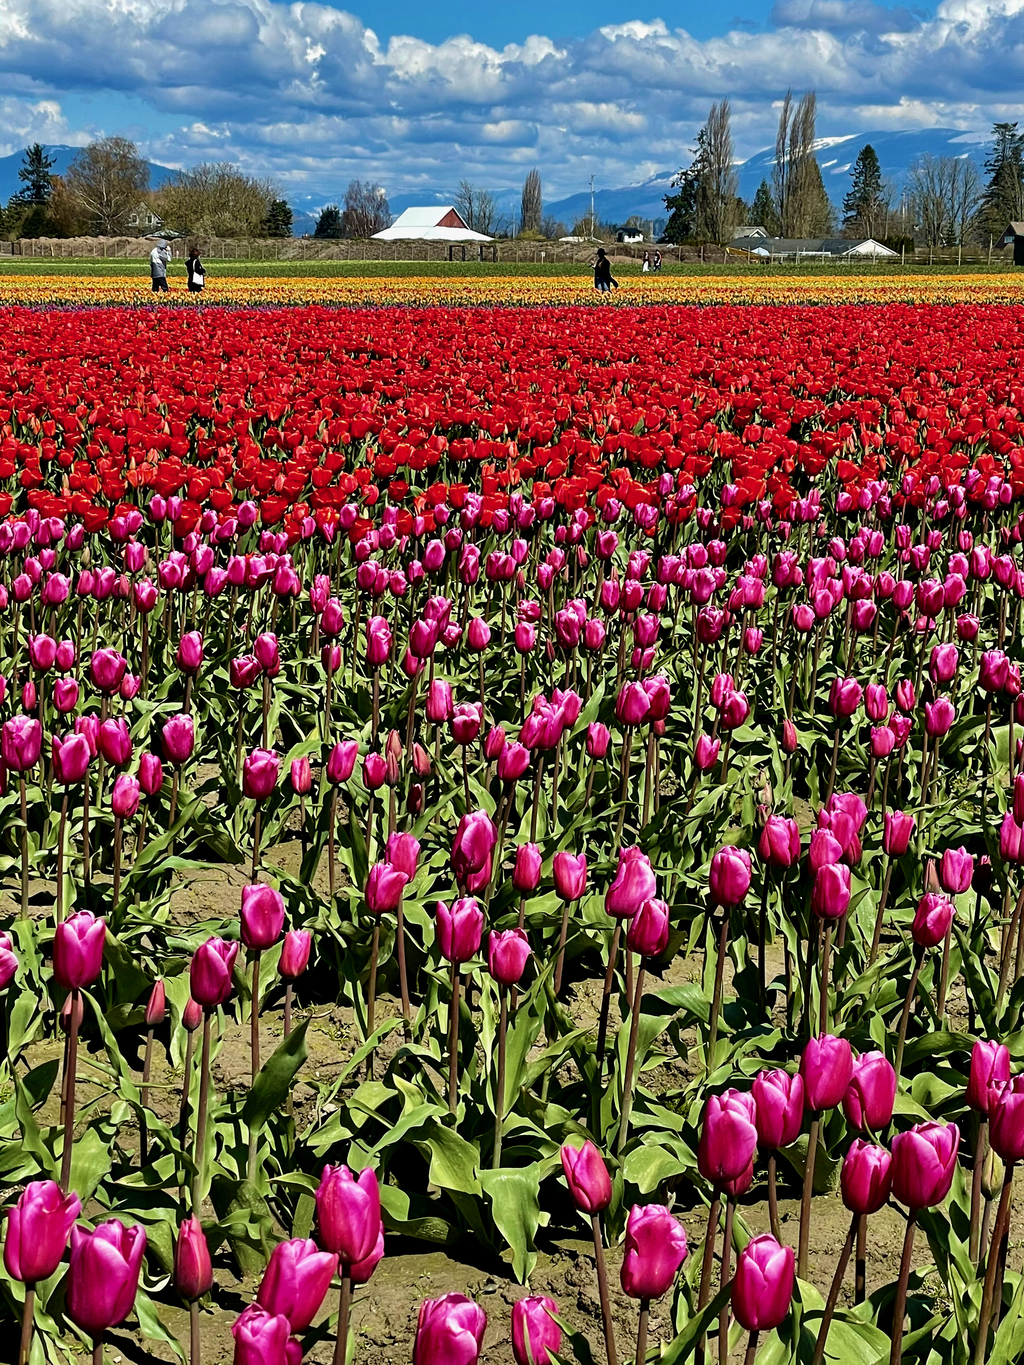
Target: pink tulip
[1006, 1118]
[705, 753]
[826, 1066]
[990, 1065]
[262, 916]
[70, 758]
[649, 929]
[923, 1163]
[536, 1337]
[778, 1107]
[103, 1277]
[871, 1094]
[830, 895]
[151, 774]
[762, 1290]
[301, 776]
[114, 741]
[655, 1249]
[932, 919]
[729, 876]
[193, 1271]
[633, 884]
[728, 1136]
[261, 1338]
[348, 1213]
[210, 972]
[384, 888]
[450, 1331]
[178, 735]
[38, 1226]
[527, 869]
[459, 930]
[780, 841]
[260, 772]
[124, 798]
[8, 960]
[21, 740]
[190, 652]
[587, 1177]
[508, 952]
[956, 871]
[296, 1281]
[107, 668]
[897, 832]
[473, 850]
[570, 875]
[78, 950]
[866, 1177]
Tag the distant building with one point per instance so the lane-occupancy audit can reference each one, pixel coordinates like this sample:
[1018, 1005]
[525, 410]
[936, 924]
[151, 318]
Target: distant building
[629, 236]
[433, 224]
[144, 220]
[1014, 236]
[749, 230]
[816, 248]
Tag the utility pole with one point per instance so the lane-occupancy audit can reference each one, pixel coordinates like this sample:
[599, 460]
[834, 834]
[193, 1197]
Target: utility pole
[593, 220]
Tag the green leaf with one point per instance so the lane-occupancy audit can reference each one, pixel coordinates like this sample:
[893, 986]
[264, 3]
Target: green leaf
[453, 1161]
[515, 1206]
[151, 1326]
[274, 1080]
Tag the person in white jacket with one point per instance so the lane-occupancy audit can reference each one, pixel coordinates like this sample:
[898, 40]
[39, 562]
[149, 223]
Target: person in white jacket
[158, 261]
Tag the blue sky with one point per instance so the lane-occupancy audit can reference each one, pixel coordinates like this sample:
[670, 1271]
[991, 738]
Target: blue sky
[416, 95]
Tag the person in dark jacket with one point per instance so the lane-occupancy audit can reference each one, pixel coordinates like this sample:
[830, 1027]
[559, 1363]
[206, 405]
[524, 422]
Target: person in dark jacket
[196, 272]
[603, 281]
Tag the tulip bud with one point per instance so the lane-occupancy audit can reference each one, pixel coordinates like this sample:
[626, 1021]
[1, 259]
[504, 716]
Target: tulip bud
[450, 1331]
[587, 1177]
[990, 1065]
[156, 1006]
[655, 1249]
[762, 1289]
[193, 1272]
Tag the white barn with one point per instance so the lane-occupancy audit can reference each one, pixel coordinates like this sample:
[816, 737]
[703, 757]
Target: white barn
[433, 224]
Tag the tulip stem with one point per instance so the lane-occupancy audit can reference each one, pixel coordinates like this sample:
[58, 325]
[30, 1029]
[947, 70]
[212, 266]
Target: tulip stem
[69, 1085]
[116, 889]
[899, 1307]
[876, 936]
[626, 749]
[330, 840]
[254, 1019]
[27, 1320]
[911, 988]
[371, 991]
[707, 1260]
[641, 1331]
[832, 769]
[609, 978]
[255, 844]
[723, 1278]
[341, 1344]
[194, 1339]
[979, 1161]
[751, 1355]
[61, 830]
[833, 1293]
[627, 1084]
[563, 933]
[992, 1267]
[860, 1272]
[499, 1091]
[716, 1002]
[204, 1103]
[147, 1060]
[24, 847]
[826, 954]
[602, 1289]
[805, 1202]
[453, 1042]
[97, 1350]
[403, 979]
[773, 1198]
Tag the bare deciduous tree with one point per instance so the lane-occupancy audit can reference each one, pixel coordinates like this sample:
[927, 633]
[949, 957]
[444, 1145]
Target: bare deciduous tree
[106, 180]
[532, 207]
[717, 179]
[366, 210]
[800, 199]
[476, 207]
[215, 199]
[945, 191]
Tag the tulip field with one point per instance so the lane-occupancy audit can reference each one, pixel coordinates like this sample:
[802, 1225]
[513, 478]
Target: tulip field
[511, 827]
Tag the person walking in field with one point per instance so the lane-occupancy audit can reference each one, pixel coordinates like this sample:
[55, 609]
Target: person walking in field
[159, 258]
[647, 262]
[603, 281]
[196, 272]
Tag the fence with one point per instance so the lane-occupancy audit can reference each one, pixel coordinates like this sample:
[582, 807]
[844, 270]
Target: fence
[503, 252]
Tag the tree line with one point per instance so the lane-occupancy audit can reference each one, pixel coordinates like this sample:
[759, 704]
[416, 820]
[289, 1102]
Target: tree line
[944, 201]
[106, 192]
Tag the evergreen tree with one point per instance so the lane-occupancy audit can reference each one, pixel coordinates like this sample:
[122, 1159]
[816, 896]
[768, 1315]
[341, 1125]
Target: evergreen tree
[763, 212]
[864, 206]
[278, 222]
[682, 206]
[328, 223]
[34, 174]
[1003, 199]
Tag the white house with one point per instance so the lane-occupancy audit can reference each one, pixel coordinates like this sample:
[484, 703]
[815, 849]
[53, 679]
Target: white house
[433, 224]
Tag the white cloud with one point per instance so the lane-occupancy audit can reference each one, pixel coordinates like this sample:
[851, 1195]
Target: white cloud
[297, 89]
